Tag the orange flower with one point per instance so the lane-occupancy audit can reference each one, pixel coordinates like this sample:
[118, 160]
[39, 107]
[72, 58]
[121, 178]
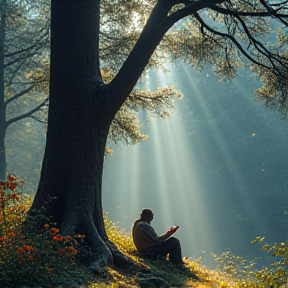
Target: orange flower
[55, 230]
[29, 248]
[58, 238]
[79, 236]
[26, 248]
[11, 196]
[13, 185]
[48, 268]
[11, 177]
[67, 238]
[19, 250]
[11, 234]
[46, 226]
[71, 250]
[3, 238]
[61, 251]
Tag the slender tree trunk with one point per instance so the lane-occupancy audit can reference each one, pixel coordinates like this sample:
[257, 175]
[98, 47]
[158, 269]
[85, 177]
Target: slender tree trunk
[2, 152]
[3, 124]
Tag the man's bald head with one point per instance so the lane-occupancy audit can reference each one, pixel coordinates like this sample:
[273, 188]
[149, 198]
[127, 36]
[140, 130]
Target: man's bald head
[146, 215]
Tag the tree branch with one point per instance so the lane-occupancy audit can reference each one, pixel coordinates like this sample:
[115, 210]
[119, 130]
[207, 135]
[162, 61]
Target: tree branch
[238, 45]
[26, 56]
[252, 14]
[28, 114]
[191, 8]
[18, 95]
[38, 120]
[264, 51]
[130, 132]
[157, 25]
[132, 68]
[39, 42]
[279, 4]
[15, 71]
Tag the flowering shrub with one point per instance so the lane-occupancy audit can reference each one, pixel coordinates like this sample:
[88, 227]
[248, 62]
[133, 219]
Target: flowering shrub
[29, 253]
[243, 274]
[119, 237]
[276, 274]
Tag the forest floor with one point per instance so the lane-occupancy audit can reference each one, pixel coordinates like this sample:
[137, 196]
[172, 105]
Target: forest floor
[150, 273]
[43, 258]
[231, 272]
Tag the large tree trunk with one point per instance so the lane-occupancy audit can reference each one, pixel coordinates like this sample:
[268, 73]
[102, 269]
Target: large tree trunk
[3, 124]
[81, 108]
[78, 124]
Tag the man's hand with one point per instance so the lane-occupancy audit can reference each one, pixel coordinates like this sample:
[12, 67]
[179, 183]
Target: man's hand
[173, 229]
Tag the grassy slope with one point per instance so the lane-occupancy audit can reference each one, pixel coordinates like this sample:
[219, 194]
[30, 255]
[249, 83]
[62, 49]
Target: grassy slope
[232, 272]
[22, 257]
[192, 275]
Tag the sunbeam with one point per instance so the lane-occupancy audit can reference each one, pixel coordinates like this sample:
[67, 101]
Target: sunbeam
[221, 147]
[208, 168]
[127, 179]
[181, 176]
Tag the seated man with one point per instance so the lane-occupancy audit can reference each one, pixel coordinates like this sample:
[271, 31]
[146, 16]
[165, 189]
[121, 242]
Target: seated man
[148, 242]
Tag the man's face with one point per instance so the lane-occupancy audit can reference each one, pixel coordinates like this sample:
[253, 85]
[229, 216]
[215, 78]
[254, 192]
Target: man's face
[151, 217]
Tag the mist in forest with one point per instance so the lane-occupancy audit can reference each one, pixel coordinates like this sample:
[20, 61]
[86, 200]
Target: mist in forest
[218, 168]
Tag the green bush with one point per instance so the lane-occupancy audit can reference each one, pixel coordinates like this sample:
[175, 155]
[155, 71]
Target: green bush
[33, 253]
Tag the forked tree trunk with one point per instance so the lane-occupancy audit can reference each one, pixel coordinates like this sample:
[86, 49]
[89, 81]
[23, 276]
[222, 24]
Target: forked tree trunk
[78, 124]
[81, 108]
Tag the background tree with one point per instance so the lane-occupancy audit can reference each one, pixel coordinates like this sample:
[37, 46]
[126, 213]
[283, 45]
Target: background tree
[19, 56]
[226, 34]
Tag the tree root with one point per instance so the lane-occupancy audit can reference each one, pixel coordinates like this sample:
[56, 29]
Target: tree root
[98, 266]
[103, 257]
[106, 252]
[120, 259]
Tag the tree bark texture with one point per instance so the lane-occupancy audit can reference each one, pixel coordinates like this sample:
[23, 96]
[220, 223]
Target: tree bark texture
[3, 164]
[81, 108]
[78, 125]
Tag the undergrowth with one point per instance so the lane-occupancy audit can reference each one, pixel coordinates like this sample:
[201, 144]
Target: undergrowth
[31, 252]
[35, 254]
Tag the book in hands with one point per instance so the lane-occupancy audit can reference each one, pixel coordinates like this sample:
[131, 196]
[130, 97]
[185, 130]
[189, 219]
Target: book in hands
[174, 228]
